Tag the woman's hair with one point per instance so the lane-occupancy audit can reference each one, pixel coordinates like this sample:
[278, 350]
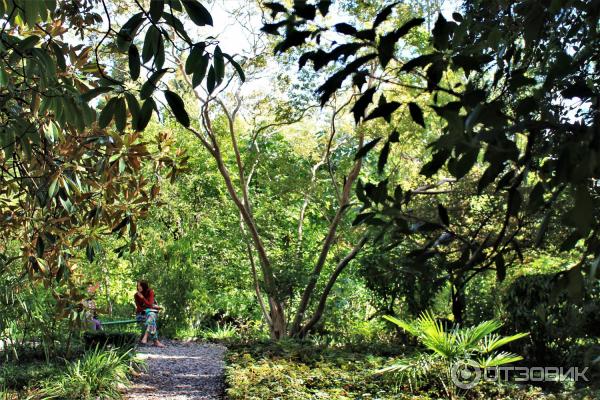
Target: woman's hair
[145, 286]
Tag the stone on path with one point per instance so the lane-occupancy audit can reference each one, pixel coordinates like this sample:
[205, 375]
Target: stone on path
[180, 371]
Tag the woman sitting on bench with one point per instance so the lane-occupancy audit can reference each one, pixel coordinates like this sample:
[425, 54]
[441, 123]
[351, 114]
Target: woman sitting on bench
[146, 311]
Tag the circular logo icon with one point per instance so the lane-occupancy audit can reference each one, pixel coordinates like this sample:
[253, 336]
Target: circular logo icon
[465, 374]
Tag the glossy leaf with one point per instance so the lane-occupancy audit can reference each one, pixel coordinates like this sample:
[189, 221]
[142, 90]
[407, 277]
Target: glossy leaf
[211, 80]
[156, 9]
[178, 108]
[236, 66]
[134, 62]
[366, 148]
[145, 115]
[107, 113]
[150, 85]
[197, 12]
[120, 114]
[194, 59]
[416, 113]
[219, 63]
[128, 31]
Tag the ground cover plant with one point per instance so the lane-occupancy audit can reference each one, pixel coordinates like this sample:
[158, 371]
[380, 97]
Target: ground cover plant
[285, 175]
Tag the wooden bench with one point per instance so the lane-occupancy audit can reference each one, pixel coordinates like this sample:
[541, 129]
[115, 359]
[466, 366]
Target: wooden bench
[122, 322]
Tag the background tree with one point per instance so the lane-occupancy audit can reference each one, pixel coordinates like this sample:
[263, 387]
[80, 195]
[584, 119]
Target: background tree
[525, 104]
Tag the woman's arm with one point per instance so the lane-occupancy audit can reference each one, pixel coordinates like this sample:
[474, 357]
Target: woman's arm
[147, 302]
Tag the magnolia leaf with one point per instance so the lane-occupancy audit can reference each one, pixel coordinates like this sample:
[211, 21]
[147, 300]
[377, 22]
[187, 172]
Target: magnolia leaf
[95, 92]
[128, 31]
[416, 113]
[195, 58]
[197, 12]
[134, 62]
[236, 66]
[150, 85]
[443, 214]
[156, 9]
[219, 63]
[200, 73]
[120, 114]
[107, 113]
[211, 80]
[145, 115]
[151, 40]
[366, 148]
[178, 108]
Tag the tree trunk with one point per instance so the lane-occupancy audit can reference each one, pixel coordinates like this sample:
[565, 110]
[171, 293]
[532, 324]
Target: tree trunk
[458, 305]
[278, 324]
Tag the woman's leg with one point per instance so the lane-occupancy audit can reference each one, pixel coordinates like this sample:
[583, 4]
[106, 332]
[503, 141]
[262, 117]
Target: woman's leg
[141, 319]
[151, 325]
[152, 330]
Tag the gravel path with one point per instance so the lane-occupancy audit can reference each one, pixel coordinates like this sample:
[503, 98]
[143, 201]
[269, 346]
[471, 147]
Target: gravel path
[180, 371]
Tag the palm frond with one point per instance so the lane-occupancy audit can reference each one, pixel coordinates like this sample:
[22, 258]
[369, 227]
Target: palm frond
[497, 359]
[493, 342]
[407, 326]
[412, 369]
[435, 338]
[470, 337]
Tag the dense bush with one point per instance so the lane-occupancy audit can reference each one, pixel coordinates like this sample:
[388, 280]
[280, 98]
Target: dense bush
[98, 374]
[21, 376]
[535, 303]
[448, 348]
[123, 340]
[294, 370]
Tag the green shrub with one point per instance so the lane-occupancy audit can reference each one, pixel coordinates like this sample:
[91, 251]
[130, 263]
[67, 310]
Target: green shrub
[534, 303]
[20, 376]
[122, 340]
[99, 374]
[219, 333]
[449, 348]
[293, 370]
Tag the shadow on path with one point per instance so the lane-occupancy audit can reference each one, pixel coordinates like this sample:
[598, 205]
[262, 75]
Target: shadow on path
[180, 371]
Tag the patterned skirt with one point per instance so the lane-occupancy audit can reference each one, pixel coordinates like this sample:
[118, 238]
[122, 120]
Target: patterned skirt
[148, 319]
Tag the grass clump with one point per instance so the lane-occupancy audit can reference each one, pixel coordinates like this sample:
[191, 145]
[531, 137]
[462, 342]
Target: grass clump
[99, 373]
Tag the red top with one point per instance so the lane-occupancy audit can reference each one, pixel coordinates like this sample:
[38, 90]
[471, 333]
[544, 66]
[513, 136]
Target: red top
[146, 302]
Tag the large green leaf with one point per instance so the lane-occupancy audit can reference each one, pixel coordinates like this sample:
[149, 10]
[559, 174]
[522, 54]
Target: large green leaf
[128, 31]
[236, 66]
[151, 44]
[211, 80]
[145, 115]
[134, 62]
[194, 59]
[120, 114]
[200, 73]
[178, 108]
[156, 9]
[197, 12]
[107, 113]
[150, 85]
[95, 92]
[219, 63]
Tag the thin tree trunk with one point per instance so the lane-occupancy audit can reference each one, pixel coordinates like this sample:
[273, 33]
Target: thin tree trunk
[332, 279]
[316, 272]
[259, 298]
